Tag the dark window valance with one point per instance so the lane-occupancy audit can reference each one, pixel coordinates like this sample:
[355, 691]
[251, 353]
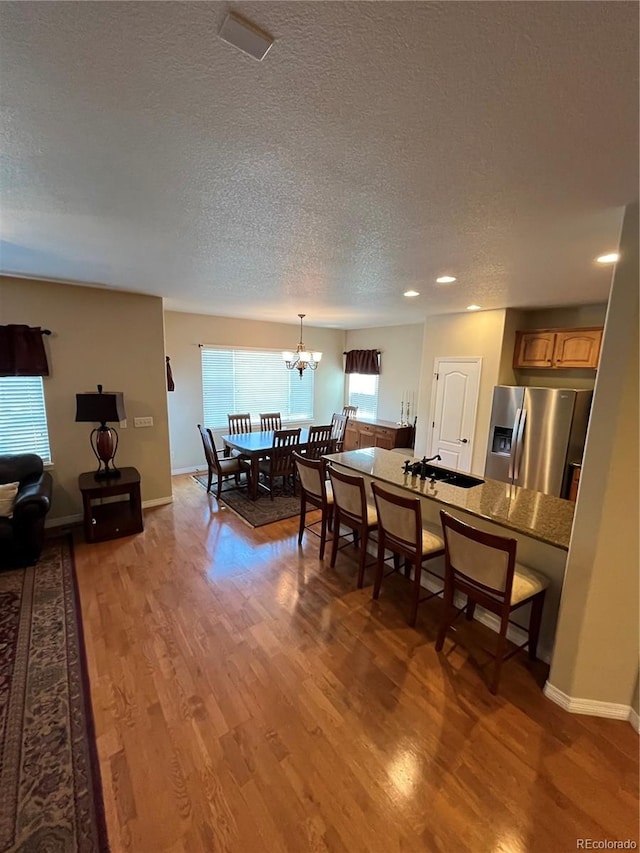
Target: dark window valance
[22, 351]
[170, 383]
[365, 361]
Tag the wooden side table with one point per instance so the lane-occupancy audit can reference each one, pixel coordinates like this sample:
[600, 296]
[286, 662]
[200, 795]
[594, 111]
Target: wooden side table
[113, 518]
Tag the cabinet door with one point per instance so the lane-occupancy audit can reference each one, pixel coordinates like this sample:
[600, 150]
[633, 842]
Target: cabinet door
[350, 438]
[385, 437]
[534, 349]
[366, 435]
[577, 348]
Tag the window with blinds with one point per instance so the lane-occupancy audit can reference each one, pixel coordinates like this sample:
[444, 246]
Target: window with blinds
[240, 380]
[23, 417]
[363, 393]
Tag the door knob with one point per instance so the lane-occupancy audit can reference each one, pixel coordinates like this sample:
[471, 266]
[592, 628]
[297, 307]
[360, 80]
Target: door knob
[464, 440]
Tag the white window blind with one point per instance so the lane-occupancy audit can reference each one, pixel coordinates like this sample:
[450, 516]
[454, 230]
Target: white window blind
[239, 380]
[23, 418]
[363, 393]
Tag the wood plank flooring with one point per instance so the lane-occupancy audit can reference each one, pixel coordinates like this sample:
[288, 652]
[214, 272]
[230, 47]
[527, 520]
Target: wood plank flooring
[248, 698]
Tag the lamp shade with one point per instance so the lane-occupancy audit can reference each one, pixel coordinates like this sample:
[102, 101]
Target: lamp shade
[94, 407]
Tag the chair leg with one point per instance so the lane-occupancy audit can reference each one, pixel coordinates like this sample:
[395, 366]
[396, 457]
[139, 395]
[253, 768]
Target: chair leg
[363, 558]
[407, 568]
[500, 646]
[379, 567]
[447, 615]
[210, 479]
[470, 609]
[336, 536]
[416, 591]
[535, 620]
[303, 510]
[323, 534]
[219, 489]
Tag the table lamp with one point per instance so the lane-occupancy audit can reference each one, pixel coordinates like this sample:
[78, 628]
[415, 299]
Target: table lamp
[102, 407]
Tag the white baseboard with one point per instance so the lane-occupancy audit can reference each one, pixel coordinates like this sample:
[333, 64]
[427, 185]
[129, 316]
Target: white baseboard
[192, 469]
[634, 719]
[157, 502]
[591, 707]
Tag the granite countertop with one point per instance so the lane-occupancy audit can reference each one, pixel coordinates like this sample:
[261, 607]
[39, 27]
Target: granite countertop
[542, 517]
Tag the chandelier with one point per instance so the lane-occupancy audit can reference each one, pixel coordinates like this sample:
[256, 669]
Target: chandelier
[301, 358]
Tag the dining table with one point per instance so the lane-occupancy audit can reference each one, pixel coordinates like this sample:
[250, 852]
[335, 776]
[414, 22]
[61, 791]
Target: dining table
[255, 446]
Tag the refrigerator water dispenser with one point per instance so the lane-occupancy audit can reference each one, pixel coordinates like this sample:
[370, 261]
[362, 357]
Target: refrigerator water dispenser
[501, 442]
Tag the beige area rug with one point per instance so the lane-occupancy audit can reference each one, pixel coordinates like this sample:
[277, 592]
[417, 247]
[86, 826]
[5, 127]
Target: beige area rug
[50, 795]
[260, 512]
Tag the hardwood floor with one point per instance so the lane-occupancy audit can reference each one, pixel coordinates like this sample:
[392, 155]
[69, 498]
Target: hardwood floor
[249, 698]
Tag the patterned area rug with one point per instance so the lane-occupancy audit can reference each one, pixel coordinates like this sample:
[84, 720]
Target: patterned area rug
[260, 512]
[50, 796]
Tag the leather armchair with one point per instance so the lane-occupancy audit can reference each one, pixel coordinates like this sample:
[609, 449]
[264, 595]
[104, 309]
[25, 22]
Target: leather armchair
[21, 536]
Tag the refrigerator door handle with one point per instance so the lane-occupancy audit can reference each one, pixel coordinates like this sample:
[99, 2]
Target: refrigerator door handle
[520, 444]
[514, 447]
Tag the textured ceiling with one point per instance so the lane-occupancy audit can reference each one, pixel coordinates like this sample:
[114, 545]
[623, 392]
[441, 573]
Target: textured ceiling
[377, 146]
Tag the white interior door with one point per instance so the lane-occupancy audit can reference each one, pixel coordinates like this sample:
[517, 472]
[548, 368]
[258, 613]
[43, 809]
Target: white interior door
[454, 402]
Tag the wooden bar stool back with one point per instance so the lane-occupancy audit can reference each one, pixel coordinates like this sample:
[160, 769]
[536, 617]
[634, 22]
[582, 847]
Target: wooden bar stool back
[351, 509]
[483, 567]
[350, 411]
[401, 531]
[269, 421]
[316, 492]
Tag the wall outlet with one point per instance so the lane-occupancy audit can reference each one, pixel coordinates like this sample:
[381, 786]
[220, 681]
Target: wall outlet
[123, 424]
[143, 422]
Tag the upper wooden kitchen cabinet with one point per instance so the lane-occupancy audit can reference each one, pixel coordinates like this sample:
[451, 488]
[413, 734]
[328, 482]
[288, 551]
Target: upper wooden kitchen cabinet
[557, 348]
[383, 434]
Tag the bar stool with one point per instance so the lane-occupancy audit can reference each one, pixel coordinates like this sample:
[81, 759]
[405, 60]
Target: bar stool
[401, 531]
[483, 567]
[351, 509]
[316, 491]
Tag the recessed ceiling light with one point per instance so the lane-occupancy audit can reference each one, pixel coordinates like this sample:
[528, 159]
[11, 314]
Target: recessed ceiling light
[411, 293]
[473, 308]
[611, 258]
[446, 279]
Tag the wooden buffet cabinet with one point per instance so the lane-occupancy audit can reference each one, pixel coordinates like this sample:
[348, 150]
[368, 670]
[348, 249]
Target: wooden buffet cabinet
[383, 434]
[557, 348]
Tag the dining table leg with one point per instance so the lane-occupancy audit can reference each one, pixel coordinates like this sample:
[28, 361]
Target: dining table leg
[253, 486]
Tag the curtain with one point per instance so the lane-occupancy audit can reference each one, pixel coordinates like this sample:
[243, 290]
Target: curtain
[170, 383]
[22, 351]
[365, 361]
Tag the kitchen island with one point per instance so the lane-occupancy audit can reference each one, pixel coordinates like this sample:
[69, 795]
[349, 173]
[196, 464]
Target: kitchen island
[541, 524]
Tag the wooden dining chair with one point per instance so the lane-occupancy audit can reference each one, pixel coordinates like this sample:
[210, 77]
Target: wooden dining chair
[316, 492]
[483, 567]
[351, 509]
[239, 424]
[402, 531]
[321, 442]
[350, 411]
[280, 460]
[270, 421]
[220, 468]
[338, 427]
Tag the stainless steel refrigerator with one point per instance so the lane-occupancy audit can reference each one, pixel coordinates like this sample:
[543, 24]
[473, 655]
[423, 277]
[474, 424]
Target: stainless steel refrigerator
[535, 434]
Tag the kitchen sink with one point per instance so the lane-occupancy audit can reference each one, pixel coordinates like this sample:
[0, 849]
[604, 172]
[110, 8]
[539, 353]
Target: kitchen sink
[442, 475]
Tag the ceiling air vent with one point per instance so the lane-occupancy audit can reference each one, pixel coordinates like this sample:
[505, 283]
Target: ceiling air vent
[243, 35]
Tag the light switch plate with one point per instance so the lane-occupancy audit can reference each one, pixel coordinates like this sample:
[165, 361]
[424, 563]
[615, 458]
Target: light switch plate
[143, 422]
